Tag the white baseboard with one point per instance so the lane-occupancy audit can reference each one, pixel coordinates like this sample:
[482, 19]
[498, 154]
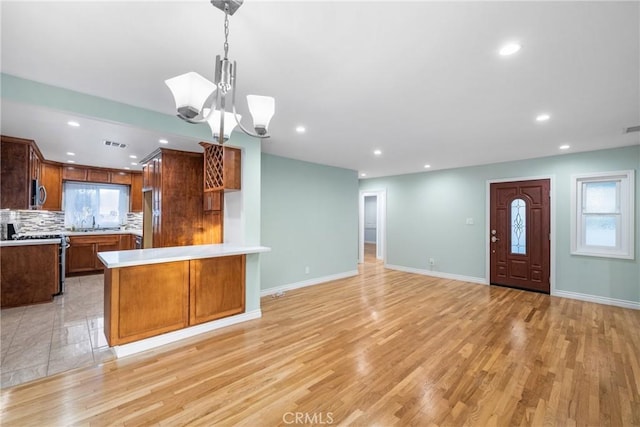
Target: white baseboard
[170, 337]
[305, 283]
[478, 280]
[597, 299]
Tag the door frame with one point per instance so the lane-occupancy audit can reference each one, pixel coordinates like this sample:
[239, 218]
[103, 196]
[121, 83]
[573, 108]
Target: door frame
[381, 224]
[552, 218]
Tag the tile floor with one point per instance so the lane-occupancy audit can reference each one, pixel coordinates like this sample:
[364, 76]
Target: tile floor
[45, 339]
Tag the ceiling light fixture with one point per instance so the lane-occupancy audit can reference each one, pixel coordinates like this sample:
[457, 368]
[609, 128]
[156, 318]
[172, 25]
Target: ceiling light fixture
[71, 161]
[301, 129]
[134, 164]
[73, 124]
[509, 49]
[363, 174]
[163, 141]
[377, 152]
[427, 166]
[564, 147]
[69, 153]
[127, 168]
[199, 100]
[133, 156]
[542, 117]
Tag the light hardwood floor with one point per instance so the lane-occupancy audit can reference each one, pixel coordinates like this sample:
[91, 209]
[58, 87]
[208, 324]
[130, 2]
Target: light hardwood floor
[382, 348]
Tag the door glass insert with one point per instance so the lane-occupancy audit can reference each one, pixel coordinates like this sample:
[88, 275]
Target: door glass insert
[518, 227]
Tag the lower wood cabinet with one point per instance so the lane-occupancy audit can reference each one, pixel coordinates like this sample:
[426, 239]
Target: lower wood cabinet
[29, 274]
[214, 290]
[82, 255]
[148, 300]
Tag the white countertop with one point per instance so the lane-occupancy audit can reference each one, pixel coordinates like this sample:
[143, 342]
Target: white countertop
[31, 242]
[117, 259]
[101, 232]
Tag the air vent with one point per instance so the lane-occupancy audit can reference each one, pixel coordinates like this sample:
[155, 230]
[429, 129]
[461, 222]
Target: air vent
[632, 129]
[114, 144]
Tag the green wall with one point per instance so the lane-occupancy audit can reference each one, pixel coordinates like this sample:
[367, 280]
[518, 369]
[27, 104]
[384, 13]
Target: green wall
[309, 219]
[426, 215]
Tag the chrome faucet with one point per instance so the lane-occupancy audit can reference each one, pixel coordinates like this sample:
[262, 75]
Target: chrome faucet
[93, 223]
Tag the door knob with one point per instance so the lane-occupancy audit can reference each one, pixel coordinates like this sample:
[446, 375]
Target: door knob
[494, 239]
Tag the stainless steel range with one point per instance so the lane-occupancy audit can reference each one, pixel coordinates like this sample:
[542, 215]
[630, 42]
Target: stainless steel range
[62, 251]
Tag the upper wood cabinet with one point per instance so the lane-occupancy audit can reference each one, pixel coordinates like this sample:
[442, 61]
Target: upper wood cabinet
[91, 174]
[20, 163]
[51, 179]
[136, 192]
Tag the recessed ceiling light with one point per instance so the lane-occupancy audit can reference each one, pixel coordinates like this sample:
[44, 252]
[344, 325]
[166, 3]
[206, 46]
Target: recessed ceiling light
[363, 174]
[564, 147]
[71, 161]
[542, 117]
[377, 152]
[509, 49]
[73, 124]
[134, 164]
[133, 156]
[301, 129]
[427, 166]
[163, 141]
[69, 153]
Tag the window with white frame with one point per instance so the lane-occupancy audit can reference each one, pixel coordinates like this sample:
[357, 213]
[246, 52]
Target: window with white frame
[602, 214]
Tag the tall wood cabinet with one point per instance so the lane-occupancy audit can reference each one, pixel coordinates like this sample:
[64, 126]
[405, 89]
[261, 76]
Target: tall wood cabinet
[173, 213]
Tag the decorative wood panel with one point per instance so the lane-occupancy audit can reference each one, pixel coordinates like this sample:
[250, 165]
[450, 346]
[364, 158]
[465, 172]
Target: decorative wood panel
[216, 288]
[151, 300]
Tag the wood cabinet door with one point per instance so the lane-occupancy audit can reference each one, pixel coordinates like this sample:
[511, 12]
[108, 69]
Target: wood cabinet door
[151, 300]
[216, 288]
[121, 178]
[106, 244]
[14, 176]
[74, 173]
[135, 195]
[232, 168]
[98, 175]
[51, 179]
[81, 256]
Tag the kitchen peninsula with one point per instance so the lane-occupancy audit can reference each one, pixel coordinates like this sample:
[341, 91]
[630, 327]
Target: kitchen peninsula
[150, 292]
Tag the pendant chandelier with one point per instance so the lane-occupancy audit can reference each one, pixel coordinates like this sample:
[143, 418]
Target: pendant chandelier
[199, 100]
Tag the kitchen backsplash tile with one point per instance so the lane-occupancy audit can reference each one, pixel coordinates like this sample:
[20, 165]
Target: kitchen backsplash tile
[134, 221]
[31, 221]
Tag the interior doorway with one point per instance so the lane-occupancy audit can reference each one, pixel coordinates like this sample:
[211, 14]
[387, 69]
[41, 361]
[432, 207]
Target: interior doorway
[520, 234]
[372, 224]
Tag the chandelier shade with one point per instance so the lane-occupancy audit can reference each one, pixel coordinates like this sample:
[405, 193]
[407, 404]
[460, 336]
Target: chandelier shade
[190, 92]
[199, 100]
[262, 109]
[214, 123]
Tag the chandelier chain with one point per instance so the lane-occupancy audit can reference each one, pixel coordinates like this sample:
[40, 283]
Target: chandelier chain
[226, 30]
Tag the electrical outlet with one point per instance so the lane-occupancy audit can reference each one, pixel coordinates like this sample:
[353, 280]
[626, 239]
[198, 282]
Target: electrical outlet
[432, 261]
[306, 270]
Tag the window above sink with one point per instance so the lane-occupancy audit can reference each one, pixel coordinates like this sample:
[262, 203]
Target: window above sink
[90, 206]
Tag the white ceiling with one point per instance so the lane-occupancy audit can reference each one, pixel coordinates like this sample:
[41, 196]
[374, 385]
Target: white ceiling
[421, 81]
